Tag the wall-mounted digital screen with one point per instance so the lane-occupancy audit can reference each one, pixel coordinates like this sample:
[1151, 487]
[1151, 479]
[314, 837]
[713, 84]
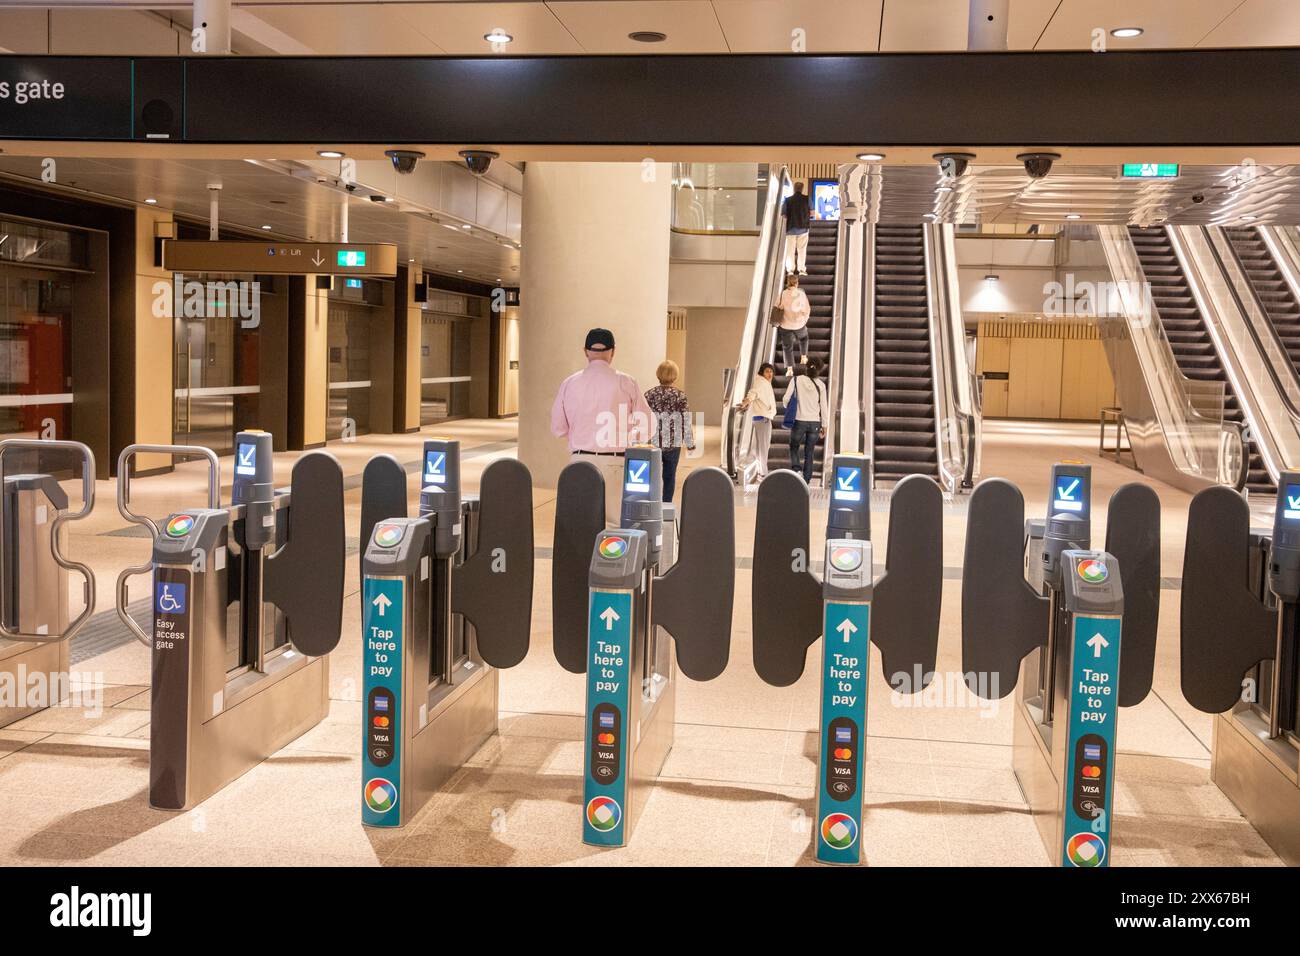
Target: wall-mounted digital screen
[825, 199]
[848, 483]
[1070, 494]
[435, 467]
[246, 459]
[636, 478]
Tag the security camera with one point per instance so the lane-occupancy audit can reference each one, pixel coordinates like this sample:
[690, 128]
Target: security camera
[952, 165]
[1038, 165]
[350, 187]
[404, 160]
[1198, 198]
[478, 161]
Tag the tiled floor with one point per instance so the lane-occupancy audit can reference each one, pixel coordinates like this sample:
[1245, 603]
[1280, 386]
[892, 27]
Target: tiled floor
[737, 788]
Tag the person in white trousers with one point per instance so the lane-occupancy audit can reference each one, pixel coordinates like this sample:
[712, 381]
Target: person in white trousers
[760, 402]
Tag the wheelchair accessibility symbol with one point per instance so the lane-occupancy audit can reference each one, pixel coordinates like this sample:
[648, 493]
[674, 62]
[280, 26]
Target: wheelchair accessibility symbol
[170, 598]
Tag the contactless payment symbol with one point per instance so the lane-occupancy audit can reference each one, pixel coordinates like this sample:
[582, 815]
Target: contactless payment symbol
[839, 831]
[604, 813]
[846, 559]
[180, 525]
[381, 795]
[613, 547]
[1093, 571]
[1086, 849]
[388, 535]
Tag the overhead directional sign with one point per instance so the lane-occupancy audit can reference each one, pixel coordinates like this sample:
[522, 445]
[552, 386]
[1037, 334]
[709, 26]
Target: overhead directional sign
[280, 258]
[1150, 170]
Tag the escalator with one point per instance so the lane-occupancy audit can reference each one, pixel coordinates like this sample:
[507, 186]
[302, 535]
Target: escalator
[819, 286]
[1270, 286]
[902, 383]
[1185, 328]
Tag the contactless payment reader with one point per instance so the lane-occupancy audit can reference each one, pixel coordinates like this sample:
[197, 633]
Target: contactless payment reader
[1044, 612]
[849, 609]
[631, 605]
[1240, 646]
[445, 598]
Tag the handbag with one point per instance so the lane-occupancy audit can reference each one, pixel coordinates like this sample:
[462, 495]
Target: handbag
[791, 410]
[776, 315]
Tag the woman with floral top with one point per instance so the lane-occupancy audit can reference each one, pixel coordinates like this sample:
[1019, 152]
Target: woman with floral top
[672, 422]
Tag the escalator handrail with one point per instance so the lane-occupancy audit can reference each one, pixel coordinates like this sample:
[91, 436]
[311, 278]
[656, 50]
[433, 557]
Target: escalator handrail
[835, 357]
[754, 338]
[964, 407]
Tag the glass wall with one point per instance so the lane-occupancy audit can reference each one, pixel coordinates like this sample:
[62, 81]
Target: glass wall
[353, 304]
[216, 362]
[719, 198]
[445, 369]
[39, 265]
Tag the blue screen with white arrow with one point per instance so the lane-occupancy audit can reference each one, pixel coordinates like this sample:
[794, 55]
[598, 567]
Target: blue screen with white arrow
[1291, 509]
[848, 483]
[1070, 493]
[246, 459]
[637, 478]
[435, 468]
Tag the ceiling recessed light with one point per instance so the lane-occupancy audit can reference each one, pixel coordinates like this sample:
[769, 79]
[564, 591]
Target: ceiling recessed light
[647, 36]
[465, 226]
[991, 277]
[1072, 215]
[152, 202]
[1250, 218]
[410, 260]
[929, 215]
[458, 271]
[329, 154]
[945, 189]
[870, 157]
[1126, 33]
[498, 36]
[267, 228]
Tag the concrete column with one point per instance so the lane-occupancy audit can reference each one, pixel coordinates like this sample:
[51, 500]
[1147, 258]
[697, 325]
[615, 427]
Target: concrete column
[407, 330]
[595, 253]
[315, 368]
[154, 391]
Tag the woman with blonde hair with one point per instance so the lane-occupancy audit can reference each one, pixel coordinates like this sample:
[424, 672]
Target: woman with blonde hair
[672, 428]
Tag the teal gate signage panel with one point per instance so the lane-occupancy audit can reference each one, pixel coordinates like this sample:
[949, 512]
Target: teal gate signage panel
[383, 608]
[845, 648]
[609, 697]
[1089, 782]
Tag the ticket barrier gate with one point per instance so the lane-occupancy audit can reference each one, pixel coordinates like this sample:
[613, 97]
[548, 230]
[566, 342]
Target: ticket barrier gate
[623, 600]
[446, 601]
[247, 601]
[1239, 644]
[36, 624]
[849, 609]
[1042, 610]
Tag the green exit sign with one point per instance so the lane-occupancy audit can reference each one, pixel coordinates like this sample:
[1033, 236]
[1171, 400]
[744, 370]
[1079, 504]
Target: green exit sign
[352, 257]
[1150, 170]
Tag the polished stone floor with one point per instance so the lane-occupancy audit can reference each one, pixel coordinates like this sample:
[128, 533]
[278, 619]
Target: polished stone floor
[737, 788]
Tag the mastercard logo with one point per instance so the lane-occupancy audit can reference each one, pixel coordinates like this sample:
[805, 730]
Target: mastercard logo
[839, 831]
[388, 535]
[1085, 849]
[846, 559]
[381, 721]
[613, 547]
[180, 525]
[1091, 771]
[604, 813]
[842, 753]
[1093, 571]
[604, 738]
[381, 795]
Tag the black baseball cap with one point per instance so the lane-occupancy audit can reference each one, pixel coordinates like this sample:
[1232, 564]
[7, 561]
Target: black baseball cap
[599, 340]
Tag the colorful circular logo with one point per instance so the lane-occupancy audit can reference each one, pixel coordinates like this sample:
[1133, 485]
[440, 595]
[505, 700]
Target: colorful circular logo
[846, 559]
[613, 547]
[381, 795]
[604, 813]
[839, 831]
[180, 525]
[1086, 849]
[1093, 571]
[388, 535]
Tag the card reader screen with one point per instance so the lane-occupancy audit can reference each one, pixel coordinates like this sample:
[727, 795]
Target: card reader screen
[848, 483]
[435, 467]
[1291, 507]
[636, 477]
[246, 459]
[1069, 494]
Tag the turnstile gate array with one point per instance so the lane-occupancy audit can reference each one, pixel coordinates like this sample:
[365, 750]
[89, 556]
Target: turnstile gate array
[247, 601]
[849, 609]
[446, 601]
[1240, 647]
[623, 600]
[36, 623]
[1042, 610]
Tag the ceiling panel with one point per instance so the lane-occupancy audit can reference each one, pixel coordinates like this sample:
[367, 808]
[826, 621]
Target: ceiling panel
[1167, 23]
[458, 28]
[691, 25]
[1028, 18]
[1258, 23]
[911, 25]
[830, 26]
[346, 29]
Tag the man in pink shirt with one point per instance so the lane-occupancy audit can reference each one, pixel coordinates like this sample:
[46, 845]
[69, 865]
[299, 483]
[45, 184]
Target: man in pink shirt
[601, 411]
